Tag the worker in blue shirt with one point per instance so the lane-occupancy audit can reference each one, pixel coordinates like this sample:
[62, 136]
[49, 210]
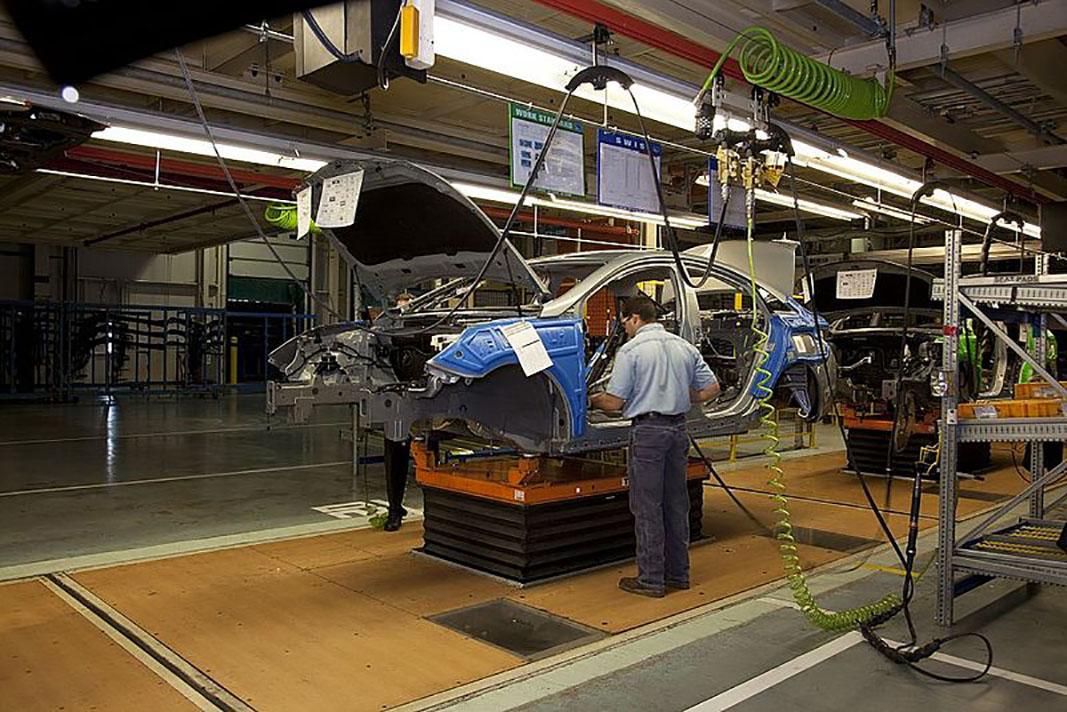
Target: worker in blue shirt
[657, 378]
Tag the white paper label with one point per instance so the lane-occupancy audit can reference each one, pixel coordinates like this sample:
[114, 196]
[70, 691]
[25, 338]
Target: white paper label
[524, 339]
[303, 212]
[856, 284]
[340, 195]
[985, 412]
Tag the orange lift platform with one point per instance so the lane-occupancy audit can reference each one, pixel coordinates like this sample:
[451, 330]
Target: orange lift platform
[528, 519]
[869, 437]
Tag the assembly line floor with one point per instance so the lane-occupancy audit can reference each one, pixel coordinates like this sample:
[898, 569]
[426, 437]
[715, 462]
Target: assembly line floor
[87, 479]
[215, 578]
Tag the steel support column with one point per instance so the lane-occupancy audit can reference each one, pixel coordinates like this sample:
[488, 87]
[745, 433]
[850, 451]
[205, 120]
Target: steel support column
[946, 535]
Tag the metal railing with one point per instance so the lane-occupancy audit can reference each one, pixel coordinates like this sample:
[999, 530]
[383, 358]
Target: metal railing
[54, 349]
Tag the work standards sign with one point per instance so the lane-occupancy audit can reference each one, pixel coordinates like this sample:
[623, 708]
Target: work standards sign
[564, 167]
[624, 174]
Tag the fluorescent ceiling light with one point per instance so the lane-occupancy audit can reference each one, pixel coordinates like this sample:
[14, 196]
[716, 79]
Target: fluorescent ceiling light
[159, 186]
[510, 197]
[807, 206]
[479, 47]
[890, 210]
[202, 147]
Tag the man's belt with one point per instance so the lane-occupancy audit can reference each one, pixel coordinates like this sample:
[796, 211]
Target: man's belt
[678, 418]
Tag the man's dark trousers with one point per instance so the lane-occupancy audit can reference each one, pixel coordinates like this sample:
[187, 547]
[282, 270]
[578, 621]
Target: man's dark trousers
[397, 460]
[659, 499]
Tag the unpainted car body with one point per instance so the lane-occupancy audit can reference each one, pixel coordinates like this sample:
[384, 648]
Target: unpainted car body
[412, 227]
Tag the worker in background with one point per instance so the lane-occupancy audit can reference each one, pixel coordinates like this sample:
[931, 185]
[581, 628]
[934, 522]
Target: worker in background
[397, 459]
[655, 381]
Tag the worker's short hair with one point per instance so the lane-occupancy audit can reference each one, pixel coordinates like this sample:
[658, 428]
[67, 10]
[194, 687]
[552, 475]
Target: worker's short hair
[405, 296]
[643, 307]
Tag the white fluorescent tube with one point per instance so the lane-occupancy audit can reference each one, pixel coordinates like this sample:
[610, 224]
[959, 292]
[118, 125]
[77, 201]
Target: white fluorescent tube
[807, 206]
[160, 186]
[509, 197]
[202, 147]
[890, 210]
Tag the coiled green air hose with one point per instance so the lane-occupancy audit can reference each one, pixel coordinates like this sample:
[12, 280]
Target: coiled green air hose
[283, 217]
[787, 543]
[768, 64]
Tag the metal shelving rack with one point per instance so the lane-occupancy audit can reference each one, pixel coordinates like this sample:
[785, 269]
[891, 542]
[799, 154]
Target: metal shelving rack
[1026, 550]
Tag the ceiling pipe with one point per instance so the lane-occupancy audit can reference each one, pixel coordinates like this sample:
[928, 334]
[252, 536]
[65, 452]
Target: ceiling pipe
[188, 169]
[635, 28]
[177, 217]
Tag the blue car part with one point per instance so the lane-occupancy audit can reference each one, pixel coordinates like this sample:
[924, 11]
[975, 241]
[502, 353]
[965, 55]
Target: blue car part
[482, 349]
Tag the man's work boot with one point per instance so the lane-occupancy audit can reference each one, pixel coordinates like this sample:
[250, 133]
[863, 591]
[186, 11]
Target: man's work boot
[393, 522]
[630, 584]
[677, 585]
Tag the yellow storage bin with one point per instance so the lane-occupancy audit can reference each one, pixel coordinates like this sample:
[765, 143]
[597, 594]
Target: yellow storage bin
[1037, 389]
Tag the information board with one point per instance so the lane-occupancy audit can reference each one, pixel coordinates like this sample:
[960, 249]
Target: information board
[856, 284]
[564, 168]
[624, 176]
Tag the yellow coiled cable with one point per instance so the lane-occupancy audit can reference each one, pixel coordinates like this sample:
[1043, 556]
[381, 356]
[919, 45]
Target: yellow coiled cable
[787, 544]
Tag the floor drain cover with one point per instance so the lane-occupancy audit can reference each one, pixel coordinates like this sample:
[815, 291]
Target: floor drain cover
[835, 541]
[524, 631]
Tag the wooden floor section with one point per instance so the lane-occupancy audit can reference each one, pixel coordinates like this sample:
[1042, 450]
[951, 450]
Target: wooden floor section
[53, 658]
[339, 621]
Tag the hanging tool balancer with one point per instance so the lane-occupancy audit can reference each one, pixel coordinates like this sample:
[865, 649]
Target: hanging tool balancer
[755, 158]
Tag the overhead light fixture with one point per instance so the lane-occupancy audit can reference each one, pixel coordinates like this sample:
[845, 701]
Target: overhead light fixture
[890, 211]
[475, 191]
[808, 206]
[202, 147]
[159, 186]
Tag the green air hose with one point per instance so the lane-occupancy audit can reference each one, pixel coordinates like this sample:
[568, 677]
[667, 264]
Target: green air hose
[283, 216]
[768, 64]
[787, 544]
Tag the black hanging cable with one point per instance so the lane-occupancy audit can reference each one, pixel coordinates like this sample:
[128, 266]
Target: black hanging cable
[327, 43]
[824, 352]
[237, 191]
[729, 492]
[818, 330]
[910, 653]
[383, 78]
[509, 225]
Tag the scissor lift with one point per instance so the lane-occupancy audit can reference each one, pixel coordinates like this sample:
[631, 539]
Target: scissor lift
[528, 519]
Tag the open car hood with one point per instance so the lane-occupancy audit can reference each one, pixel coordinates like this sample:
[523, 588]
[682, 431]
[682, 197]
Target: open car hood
[411, 226]
[888, 289]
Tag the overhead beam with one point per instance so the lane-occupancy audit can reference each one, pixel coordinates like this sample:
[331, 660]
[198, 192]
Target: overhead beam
[1044, 158]
[1042, 63]
[977, 92]
[149, 224]
[989, 32]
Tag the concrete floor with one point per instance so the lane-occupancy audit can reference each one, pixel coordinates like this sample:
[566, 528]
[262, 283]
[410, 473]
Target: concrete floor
[97, 477]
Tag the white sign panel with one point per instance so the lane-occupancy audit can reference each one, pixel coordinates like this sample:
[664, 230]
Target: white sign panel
[303, 212]
[856, 284]
[624, 173]
[564, 167]
[524, 339]
[340, 196]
